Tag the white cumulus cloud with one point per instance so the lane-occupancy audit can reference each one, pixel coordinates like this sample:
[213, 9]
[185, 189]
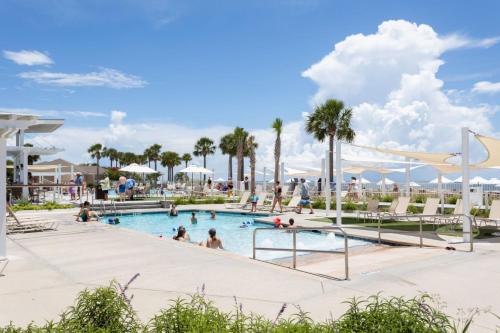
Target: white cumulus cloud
[106, 77]
[29, 58]
[486, 87]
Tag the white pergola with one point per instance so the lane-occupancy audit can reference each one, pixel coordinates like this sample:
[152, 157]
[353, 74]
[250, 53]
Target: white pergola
[10, 124]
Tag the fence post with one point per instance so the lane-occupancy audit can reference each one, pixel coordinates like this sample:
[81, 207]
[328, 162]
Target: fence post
[294, 248]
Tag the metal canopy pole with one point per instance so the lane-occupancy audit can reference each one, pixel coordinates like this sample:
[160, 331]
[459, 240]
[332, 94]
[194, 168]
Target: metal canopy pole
[338, 192]
[328, 191]
[465, 185]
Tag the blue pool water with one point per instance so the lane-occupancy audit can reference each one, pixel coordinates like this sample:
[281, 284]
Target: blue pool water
[234, 238]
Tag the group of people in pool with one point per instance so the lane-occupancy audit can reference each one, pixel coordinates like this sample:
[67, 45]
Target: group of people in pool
[212, 241]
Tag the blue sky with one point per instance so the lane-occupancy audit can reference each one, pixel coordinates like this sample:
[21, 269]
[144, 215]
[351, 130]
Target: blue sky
[233, 63]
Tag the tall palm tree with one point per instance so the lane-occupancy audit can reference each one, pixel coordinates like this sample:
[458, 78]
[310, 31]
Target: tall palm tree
[203, 147]
[240, 136]
[277, 127]
[333, 120]
[170, 160]
[32, 159]
[154, 154]
[186, 158]
[252, 145]
[227, 146]
[112, 155]
[147, 154]
[96, 151]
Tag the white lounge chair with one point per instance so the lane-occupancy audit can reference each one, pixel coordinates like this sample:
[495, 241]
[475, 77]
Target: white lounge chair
[494, 215]
[14, 224]
[3, 264]
[243, 201]
[452, 219]
[399, 208]
[371, 210]
[292, 204]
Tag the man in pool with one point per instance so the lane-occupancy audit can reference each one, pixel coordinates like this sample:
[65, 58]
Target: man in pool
[194, 220]
[213, 242]
[212, 215]
[173, 211]
[291, 224]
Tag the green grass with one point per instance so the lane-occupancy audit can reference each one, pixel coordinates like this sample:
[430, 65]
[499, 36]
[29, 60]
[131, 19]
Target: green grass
[109, 310]
[411, 226]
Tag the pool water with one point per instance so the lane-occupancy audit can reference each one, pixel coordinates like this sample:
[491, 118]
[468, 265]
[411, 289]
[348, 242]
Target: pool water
[234, 238]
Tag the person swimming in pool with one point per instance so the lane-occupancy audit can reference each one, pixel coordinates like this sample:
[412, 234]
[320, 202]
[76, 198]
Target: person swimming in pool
[173, 211]
[212, 215]
[182, 235]
[194, 220]
[213, 242]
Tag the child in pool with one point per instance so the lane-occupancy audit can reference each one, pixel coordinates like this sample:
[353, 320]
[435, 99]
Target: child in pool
[194, 220]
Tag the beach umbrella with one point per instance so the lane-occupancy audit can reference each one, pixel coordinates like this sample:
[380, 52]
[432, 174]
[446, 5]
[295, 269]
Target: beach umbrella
[136, 168]
[387, 182]
[444, 180]
[494, 181]
[365, 181]
[413, 184]
[478, 180]
[458, 180]
[220, 179]
[192, 169]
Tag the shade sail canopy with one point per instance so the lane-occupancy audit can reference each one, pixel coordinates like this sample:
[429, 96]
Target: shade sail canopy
[431, 158]
[444, 180]
[136, 168]
[220, 179]
[475, 180]
[196, 169]
[492, 146]
[494, 181]
[414, 184]
[365, 181]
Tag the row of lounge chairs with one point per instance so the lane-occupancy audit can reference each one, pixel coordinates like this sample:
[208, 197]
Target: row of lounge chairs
[263, 203]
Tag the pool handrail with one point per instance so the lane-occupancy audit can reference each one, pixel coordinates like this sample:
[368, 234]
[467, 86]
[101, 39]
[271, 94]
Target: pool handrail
[294, 244]
[421, 217]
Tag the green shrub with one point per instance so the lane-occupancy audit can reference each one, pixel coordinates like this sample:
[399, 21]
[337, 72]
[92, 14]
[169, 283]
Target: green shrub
[26, 205]
[420, 198]
[414, 209]
[387, 198]
[452, 199]
[349, 205]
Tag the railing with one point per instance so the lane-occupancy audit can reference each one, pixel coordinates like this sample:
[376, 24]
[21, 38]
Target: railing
[294, 249]
[421, 218]
[43, 192]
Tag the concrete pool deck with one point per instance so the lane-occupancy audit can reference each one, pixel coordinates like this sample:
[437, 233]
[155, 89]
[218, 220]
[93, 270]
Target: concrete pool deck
[48, 269]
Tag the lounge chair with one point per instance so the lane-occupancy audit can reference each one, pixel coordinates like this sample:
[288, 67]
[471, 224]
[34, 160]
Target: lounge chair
[14, 224]
[292, 204]
[452, 219]
[494, 215]
[3, 264]
[400, 207]
[261, 202]
[243, 201]
[371, 210]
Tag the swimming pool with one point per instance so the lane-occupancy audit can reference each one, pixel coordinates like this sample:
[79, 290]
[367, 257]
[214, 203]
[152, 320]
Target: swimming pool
[234, 238]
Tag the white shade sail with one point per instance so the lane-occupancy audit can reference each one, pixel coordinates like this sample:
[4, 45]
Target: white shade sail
[136, 168]
[476, 180]
[414, 184]
[494, 181]
[196, 169]
[220, 179]
[365, 181]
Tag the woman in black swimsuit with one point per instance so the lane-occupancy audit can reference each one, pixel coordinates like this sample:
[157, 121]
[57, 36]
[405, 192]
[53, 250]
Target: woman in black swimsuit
[278, 196]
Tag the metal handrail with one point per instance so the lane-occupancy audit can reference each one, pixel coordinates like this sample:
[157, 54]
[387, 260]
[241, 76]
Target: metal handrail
[294, 244]
[421, 217]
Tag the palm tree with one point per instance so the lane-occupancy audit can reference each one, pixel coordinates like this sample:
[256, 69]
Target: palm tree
[147, 153]
[252, 145]
[32, 159]
[170, 160]
[227, 146]
[278, 127]
[186, 158]
[203, 147]
[112, 154]
[331, 120]
[240, 136]
[154, 154]
[96, 151]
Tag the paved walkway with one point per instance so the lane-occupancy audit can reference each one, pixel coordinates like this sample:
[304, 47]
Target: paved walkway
[48, 269]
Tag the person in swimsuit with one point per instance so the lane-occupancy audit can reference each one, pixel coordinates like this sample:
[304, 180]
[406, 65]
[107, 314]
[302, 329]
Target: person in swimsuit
[212, 215]
[194, 220]
[278, 196]
[254, 199]
[305, 199]
[173, 211]
[213, 242]
[182, 235]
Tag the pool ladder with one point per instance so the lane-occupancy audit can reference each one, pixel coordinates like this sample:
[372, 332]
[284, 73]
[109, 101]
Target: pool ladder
[294, 249]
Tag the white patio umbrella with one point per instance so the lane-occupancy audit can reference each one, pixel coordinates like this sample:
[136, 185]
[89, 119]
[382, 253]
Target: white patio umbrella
[365, 181]
[494, 181]
[387, 182]
[220, 179]
[136, 168]
[478, 180]
[192, 169]
[444, 180]
[414, 184]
